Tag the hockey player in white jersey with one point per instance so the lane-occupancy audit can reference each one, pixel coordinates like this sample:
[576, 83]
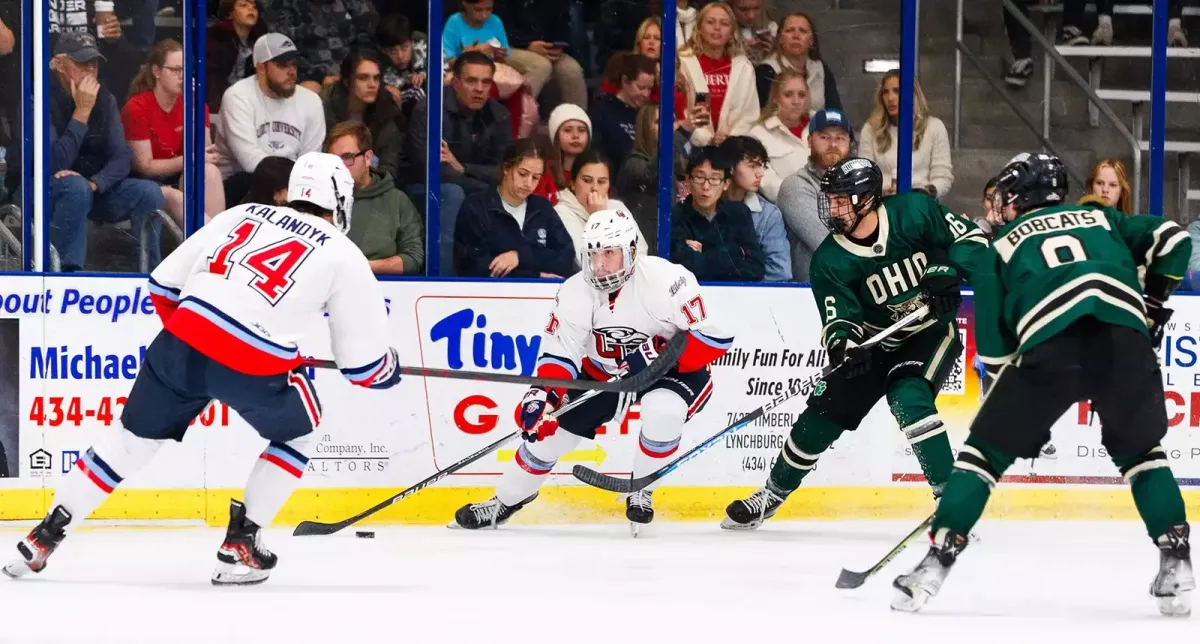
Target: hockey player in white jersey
[610, 319]
[235, 298]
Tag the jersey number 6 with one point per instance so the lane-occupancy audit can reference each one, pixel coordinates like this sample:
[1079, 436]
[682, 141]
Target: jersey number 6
[272, 264]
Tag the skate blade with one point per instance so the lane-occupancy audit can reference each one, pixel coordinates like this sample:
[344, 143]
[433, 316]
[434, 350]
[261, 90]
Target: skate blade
[16, 569]
[1178, 606]
[905, 602]
[634, 529]
[730, 524]
[227, 575]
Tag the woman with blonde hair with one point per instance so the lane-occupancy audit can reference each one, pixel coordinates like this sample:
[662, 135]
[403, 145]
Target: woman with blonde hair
[637, 180]
[1109, 185]
[783, 130]
[721, 76]
[797, 49]
[932, 170]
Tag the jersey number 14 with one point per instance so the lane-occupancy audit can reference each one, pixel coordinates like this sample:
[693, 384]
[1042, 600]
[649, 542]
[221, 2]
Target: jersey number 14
[273, 265]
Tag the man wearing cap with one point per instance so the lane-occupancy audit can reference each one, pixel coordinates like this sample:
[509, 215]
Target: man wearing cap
[829, 138]
[267, 115]
[89, 159]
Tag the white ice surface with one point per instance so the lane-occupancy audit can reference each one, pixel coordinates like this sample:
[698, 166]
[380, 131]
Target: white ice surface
[1063, 582]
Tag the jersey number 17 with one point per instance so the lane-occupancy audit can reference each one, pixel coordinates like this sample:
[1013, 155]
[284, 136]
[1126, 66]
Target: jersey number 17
[273, 265]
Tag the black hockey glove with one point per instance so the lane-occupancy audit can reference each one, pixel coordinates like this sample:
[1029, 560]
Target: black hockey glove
[939, 287]
[854, 360]
[1158, 289]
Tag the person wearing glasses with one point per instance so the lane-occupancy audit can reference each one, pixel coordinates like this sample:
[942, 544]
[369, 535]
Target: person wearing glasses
[153, 120]
[711, 237]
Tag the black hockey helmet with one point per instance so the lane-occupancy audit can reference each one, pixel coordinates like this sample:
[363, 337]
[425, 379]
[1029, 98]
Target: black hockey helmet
[1031, 180]
[857, 178]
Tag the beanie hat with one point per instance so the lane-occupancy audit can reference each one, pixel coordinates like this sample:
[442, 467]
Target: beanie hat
[568, 112]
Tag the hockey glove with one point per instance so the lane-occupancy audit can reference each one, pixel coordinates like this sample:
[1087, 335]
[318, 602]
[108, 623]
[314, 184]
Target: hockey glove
[854, 360]
[389, 374]
[939, 287]
[1158, 289]
[536, 424]
[638, 359]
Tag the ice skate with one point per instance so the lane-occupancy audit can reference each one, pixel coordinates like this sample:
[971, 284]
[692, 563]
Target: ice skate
[36, 548]
[489, 514]
[1174, 584]
[1049, 452]
[916, 587]
[243, 559]
[639, 509]
[749, 513]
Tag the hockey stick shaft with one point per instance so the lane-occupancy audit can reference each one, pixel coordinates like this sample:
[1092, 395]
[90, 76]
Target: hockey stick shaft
[633, 383]
[629, 485]
[851, 579]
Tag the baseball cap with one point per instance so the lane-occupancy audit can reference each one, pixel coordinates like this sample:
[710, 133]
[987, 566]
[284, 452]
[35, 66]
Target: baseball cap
[277, 47]
[81, 47]
[830, 118]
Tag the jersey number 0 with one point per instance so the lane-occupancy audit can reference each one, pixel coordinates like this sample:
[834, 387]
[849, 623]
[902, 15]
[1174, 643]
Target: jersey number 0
[273, 264]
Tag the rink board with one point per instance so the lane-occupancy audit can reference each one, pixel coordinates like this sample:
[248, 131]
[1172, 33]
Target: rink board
[71, 346]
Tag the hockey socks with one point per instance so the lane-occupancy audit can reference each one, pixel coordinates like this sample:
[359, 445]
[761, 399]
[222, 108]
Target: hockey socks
[663, 415]
[811, 435]
[99, 471]
[1155, 492]
[932, 448]
[533, 461]
[273, 479]
[976, 472]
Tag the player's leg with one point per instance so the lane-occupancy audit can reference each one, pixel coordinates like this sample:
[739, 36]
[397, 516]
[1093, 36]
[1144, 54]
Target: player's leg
[837, 405]
[1128, 396]
[157, 409]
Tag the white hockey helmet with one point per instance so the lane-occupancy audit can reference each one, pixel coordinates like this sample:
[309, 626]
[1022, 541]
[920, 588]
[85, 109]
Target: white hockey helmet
[323, 180]
[608, 230]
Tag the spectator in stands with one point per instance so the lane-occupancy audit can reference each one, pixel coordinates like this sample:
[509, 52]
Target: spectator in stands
[475, 28]
[326, 31]
[475, 134]
[1103, 35]
[384, 224]
[783, 129]
[720, 73]
[829, 138]
[748, 158]
[570, 136]
[797, 48]
[11, 102]
[267, 115]
[153, 122]
[539, 31]
[757, 30]
[991, 220]
[685, 23]
[357, 96]
[230, 48]
[712, 237]
[509, 231]
[122, 58]
[88, 158]
[588, 193]
[648, 42]
[637, 181]
[404, 71]
[932, 170]
[620, 22]
[269, 183]
[614, 115]
[1109, 181]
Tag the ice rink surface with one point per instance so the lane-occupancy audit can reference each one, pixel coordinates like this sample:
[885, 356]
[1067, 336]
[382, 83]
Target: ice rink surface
[691, 582]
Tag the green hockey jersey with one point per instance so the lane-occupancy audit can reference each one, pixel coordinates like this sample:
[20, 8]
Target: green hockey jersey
[862, 289]
[1057, 264]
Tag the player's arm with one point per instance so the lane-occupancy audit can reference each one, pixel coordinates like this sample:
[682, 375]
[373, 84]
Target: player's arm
[565, 338]
[168, 278]
[995, 343]
[966, 243]
[840, 310]
[358, 329]
[1164, 249]
[708, 339]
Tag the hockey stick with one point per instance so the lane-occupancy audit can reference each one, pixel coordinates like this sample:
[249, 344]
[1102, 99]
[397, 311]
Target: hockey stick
[851, 579]
[631, 384]
[630, 485]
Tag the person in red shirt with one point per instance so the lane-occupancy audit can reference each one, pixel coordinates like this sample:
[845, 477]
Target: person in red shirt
[721, 77]
[153, 120]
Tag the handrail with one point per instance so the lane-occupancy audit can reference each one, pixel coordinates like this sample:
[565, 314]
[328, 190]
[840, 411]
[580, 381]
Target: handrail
[147, 229]
[1025, 118]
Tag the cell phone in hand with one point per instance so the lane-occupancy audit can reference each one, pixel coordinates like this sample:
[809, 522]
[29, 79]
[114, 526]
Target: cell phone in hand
[701, 97]
[561, 44]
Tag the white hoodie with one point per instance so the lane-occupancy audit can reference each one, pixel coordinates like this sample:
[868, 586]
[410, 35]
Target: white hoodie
[685, 24]
[574, 216]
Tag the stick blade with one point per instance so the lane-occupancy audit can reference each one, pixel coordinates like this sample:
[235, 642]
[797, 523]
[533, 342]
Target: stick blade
[604, 481]
[313, 528]
[851, 579]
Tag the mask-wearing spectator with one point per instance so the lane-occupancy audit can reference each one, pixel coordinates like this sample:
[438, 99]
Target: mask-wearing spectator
[685, 23]
[1109, 180]
[269, 182]
[829, 138]
[407, 56]
[748, 158]
[509, 231]
[153, 121]
[358, 96]
[384, 224]
[475, 133]
[712, 237]
[614, 115]
[540, 31]
[932, 170]
[326, 31]
[570, 135]
[721, 77]
[797, 48]
[475, 28]
[11, 103]
[267, 115]
[588, 193]
[88, 157]
[783, 130]
[229, 54]
[100, 20]
[757, 30]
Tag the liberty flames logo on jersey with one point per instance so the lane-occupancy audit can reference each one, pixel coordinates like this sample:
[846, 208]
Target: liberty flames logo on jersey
[613, 341]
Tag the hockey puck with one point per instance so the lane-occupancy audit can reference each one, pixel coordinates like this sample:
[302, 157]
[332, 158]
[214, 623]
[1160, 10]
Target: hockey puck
[364, 534]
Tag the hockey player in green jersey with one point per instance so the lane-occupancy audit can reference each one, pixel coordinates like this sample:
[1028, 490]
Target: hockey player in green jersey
[1062, 319]
[885, 259]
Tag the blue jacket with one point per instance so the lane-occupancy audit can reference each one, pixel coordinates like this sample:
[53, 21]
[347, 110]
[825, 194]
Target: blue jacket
[485, 229]
[613, 126]
[772, 236]
[97, 151]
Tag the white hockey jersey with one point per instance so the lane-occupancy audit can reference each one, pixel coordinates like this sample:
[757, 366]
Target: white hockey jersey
[591, 331]
[245, 288]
